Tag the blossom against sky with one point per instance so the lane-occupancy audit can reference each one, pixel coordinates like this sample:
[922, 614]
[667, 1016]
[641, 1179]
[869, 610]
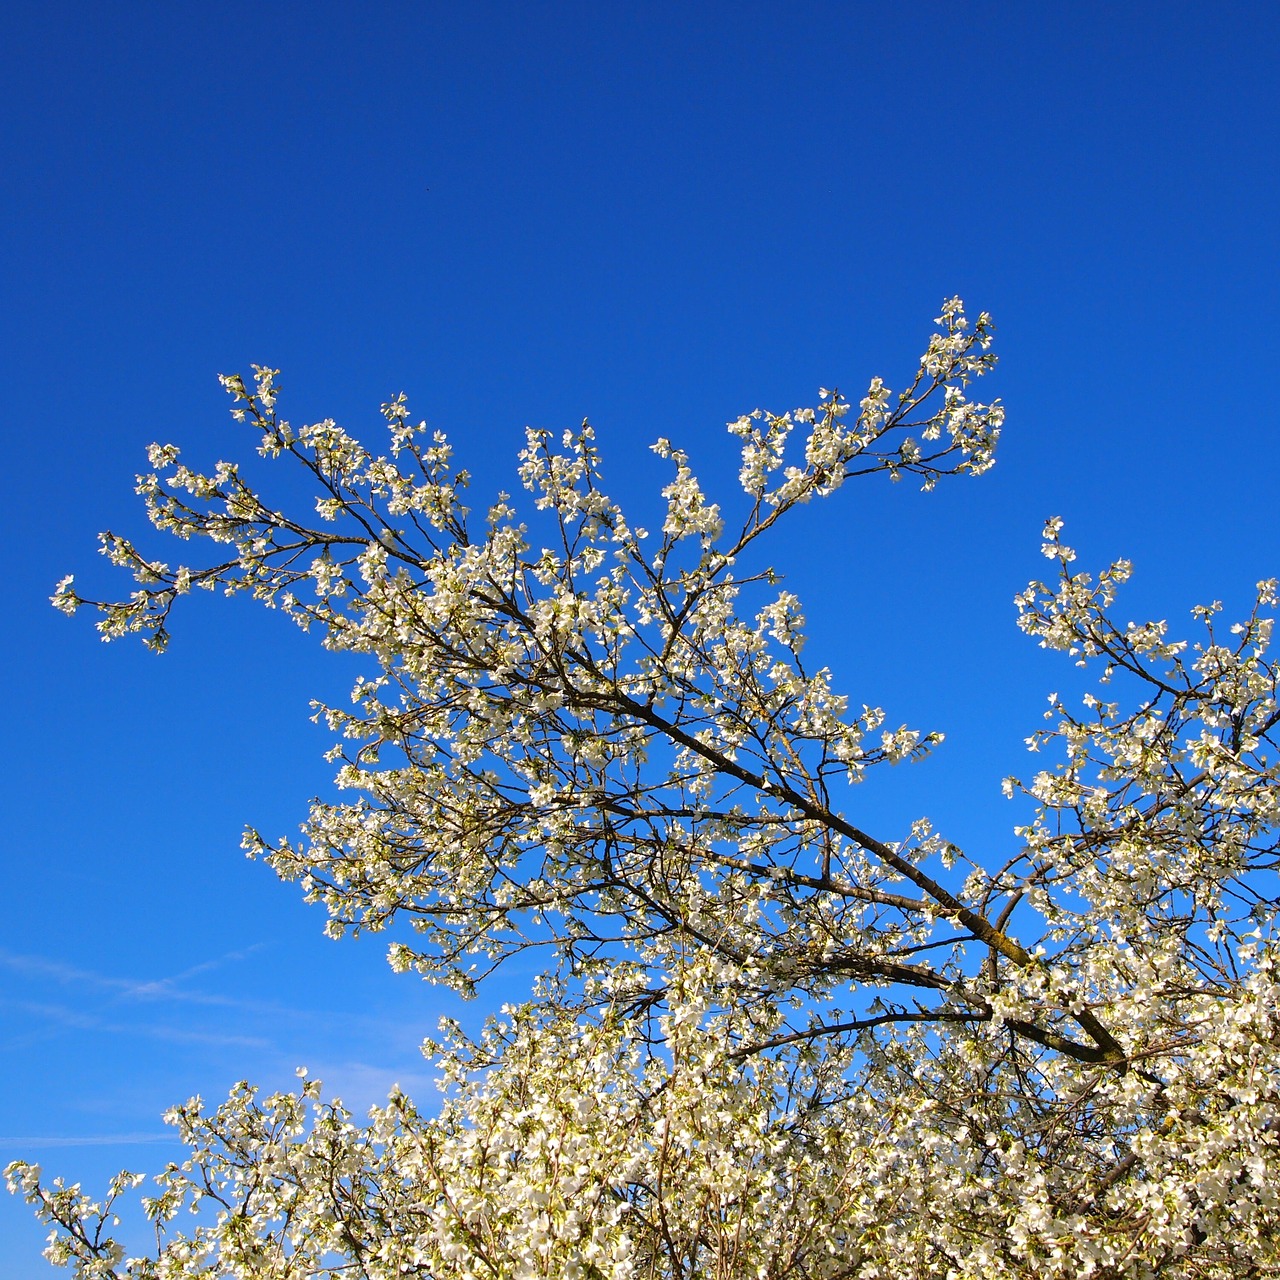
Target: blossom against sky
[660, 218]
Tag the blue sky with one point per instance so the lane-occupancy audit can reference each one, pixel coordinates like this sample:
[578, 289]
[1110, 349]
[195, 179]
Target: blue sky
[657, 215]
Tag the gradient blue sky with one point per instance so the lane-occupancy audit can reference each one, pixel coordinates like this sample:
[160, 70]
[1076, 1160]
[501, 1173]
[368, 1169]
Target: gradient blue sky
[659, 215]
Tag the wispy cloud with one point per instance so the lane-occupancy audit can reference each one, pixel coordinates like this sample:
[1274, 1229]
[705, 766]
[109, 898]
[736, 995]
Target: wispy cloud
[361, 1085]
[126, 988]
[39, 966]
[62, 1017]
[121, 992]
[166, 988]
[89, 1140]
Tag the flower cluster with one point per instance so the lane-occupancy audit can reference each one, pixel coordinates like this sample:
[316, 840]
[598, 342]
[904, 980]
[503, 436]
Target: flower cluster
[769, 1042]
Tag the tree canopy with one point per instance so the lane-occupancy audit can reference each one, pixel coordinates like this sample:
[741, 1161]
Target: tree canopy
[768, 1042]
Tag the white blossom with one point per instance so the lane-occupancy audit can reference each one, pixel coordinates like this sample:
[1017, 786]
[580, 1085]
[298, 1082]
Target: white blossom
[767, 1042]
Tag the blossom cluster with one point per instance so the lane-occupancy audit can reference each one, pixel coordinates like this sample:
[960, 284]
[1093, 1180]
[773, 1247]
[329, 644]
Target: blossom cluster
[769, 1042]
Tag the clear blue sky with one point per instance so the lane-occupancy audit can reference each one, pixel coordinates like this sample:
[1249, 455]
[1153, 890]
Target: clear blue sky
[660, 215]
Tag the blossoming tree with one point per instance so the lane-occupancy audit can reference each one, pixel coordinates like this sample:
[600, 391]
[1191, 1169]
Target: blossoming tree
[769, 1042]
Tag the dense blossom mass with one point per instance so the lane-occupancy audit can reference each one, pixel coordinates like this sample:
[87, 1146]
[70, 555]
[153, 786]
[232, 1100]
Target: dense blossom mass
[768, 1042]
